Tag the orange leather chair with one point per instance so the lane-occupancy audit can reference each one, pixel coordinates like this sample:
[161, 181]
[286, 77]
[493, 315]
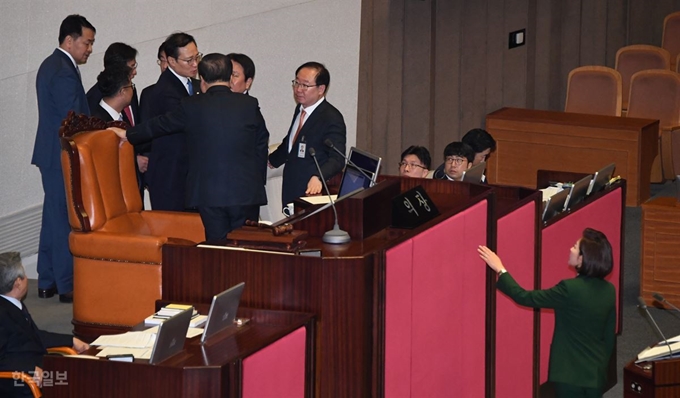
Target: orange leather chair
[638, 57]
[655, 94]
[27, 380]
[116, 246]
[594, 90]
[670, 39]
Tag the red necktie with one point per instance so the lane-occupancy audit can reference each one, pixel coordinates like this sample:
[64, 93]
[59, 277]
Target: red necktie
[128, 113]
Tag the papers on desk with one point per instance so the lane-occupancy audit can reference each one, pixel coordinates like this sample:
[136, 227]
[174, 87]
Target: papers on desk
[319, 200]
[660, 351]
[171, 310]
[191, 332]
[128, 340]
[550, 191]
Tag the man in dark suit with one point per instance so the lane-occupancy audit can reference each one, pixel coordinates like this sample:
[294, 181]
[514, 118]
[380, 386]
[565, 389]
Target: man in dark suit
[117, 91]
[243, 72]
[314, 121]
[227, 148]
[145, 98]
[22, 344]
[59, 90]
[167, 171]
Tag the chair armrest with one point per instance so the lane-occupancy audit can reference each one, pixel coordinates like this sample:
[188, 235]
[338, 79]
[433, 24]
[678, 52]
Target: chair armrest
[175, 224]
[62, 351]
[112, 246]
[26, 379]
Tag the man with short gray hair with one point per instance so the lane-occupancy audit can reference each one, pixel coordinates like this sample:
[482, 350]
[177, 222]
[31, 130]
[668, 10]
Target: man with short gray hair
[22, 344]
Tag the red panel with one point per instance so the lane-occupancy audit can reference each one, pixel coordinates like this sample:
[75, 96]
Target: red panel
[399, 263]
[603, 215]
[277, 370]
[516, 245]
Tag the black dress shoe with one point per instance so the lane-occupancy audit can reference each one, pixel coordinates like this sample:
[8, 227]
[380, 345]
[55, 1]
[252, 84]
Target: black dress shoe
[47, 293]
[66, 298]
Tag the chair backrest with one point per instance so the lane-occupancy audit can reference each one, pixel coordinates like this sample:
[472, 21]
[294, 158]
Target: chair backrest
[632, 59]
[100, 178]
[595, 90]
[671, 36]
[655, 94]
[677, 63]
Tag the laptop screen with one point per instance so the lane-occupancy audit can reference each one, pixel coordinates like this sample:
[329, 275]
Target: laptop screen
[223, 311]
[352, 178]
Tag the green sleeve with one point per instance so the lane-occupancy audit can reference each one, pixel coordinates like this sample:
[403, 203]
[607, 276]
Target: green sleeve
[554, 297]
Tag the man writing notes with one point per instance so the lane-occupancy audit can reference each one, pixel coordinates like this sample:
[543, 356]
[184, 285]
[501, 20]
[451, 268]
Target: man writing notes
[227, 148]
[315, 120]
[167, 169]
[59, 90]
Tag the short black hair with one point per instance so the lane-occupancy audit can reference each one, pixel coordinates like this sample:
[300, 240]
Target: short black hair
[161, 50]
[461, 149]
[323, 76]
[112, 79]
[480, 140]
[596, 250]
[421, 153]
[73, 26]
[119, 54]
[215, 67]
[246, 63]
[176, 41]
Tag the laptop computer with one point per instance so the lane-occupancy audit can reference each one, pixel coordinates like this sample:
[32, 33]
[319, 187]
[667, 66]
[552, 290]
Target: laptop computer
[601, 178]
[554, 205]
[475, 173]
[170, 337]
[222, 311]
[352, 178]
[578, 191]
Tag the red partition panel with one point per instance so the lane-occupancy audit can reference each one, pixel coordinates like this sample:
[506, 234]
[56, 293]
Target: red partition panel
[516, 245]
[277, 370]
[603, 214]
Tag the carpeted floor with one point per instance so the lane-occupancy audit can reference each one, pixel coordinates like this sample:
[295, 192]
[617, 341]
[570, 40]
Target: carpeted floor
[54, 316]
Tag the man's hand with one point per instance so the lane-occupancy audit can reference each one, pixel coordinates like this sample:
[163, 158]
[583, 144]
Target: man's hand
[38, 376]
[313, 186]
[119, 132]
[142, 163]
[79, 345]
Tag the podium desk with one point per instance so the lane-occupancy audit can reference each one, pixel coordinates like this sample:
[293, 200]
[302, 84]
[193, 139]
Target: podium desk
[395, 309]
[660, 256]
[528, 140]
[270, 355]
[659, 379]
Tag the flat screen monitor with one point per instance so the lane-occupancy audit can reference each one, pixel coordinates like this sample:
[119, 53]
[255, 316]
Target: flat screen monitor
[171, 336]
[475, 173]
[554, 205]
[352, 178]
[222, 311]
[601, 178]
[578, 191]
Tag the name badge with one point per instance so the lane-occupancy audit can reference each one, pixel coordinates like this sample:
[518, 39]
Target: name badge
[302, 148]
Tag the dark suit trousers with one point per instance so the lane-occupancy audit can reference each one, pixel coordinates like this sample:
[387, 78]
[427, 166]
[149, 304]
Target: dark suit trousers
[55, 263]
[219, 221]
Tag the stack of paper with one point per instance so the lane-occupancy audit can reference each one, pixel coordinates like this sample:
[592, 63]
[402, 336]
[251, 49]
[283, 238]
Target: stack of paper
[661, 350]
[171, 310]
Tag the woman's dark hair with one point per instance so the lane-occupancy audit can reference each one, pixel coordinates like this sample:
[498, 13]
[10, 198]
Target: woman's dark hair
[597, 259]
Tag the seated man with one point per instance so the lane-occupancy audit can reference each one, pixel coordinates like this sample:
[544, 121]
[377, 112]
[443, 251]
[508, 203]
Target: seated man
[22, 344]
[458, 157]
[415, 162]
[481, 142]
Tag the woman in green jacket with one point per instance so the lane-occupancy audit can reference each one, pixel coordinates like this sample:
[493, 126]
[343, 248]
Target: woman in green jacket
[585, 315]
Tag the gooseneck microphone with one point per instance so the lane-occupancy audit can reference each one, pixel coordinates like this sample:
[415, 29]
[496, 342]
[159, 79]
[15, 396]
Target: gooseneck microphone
[643, 306]
[661, 299]
[330, 144]
[335, 236]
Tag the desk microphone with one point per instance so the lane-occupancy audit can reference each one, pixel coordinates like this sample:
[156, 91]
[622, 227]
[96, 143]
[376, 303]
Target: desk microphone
[643, 306]
[335, 236]
[661, 299]
[329, 144]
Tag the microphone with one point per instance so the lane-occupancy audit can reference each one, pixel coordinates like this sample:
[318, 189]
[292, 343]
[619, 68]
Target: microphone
[335, 236]
[329, 144]
[661, 299]
[643, 306]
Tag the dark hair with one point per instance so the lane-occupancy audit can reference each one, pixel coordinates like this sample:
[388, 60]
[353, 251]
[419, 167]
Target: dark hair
[480, 140]
[119, 54]
[161, 50]
[459, 148]
[215, 67]
[597, 259]
[420, 152]
[323, 76]
[73, 26]
[246, 63]
[176, 41]
[112, 79]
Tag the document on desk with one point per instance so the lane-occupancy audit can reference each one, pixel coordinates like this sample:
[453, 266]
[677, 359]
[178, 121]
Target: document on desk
[138, 353]
[129, 339]
[319, 200]
[191, 332]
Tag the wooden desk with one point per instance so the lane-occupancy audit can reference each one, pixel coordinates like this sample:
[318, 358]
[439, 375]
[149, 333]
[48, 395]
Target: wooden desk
[659, 272]
[273, 352]
[528, 140]
[659, 379]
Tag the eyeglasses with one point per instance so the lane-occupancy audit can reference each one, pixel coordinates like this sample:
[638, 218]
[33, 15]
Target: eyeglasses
[162, 61]
[456, 161]
[133, 66]
[131, 85]
[191, 60]
[303, 86]
[411, 165]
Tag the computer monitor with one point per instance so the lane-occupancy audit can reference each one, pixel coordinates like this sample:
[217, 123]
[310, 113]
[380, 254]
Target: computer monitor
[352, 178]
[554, 205]
[601, 178]
[475, 173]
[578, 191]
[222, 311]
[170, 336]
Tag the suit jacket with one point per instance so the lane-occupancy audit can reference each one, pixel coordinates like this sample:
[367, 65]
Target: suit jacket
[59, 90]
[168, 164]
[326, 122]
[101, 113]
[227, 147]
[585, 317]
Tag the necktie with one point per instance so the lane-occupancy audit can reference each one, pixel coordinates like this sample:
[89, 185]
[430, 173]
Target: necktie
[302, 120]
[190, 86]
[128, 114]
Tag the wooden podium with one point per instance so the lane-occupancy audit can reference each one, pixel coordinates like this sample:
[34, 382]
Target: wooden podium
[659, 379]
